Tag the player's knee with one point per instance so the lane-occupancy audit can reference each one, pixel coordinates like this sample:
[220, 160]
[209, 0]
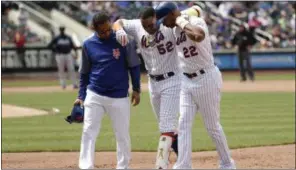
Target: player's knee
[122, 137]
[185, 125]
[214, 128]
[90, 129]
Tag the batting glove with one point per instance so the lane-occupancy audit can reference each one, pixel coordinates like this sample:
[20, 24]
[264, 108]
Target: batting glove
[122, 37]
[181, 21]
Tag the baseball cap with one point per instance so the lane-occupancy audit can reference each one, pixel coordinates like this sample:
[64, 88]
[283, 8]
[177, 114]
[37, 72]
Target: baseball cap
[163, 9]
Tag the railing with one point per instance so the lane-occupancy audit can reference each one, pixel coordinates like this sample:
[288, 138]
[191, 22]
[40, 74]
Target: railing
[38, 8]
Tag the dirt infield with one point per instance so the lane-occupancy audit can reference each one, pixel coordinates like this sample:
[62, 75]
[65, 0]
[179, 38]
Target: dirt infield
[17, 111]
[252, 158]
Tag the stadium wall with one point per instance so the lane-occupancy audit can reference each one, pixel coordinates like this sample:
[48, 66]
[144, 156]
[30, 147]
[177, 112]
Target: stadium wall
[284, 59]
[42, 59]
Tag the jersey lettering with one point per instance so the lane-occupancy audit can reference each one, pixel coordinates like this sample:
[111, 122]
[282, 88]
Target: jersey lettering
[167, 48]
[190, 52]
[182, 38]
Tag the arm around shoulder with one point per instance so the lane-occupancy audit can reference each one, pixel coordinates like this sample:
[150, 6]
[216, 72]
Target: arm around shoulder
[194, 27]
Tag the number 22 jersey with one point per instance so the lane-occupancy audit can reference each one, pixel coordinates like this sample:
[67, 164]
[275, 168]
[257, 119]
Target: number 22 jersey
[194, 56]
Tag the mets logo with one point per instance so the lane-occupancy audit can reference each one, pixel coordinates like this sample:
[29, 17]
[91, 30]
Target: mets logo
[116, 53]
[151, 40]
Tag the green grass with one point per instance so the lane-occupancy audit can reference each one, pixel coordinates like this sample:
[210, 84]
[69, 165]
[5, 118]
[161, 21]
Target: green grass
[249, 119]
[144, 79]
[30, 83]
[262, 76]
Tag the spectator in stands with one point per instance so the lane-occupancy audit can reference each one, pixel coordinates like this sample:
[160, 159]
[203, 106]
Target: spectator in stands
[20, 40]
[62, 45]
[283, 20]
[23, 17]
[239, 11]
[254, 22]
[265, 20]
[224, 8]
[244, 40]
[84, 6]
[292, 23]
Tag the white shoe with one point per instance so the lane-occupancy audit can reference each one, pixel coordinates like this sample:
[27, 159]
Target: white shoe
[229, 166]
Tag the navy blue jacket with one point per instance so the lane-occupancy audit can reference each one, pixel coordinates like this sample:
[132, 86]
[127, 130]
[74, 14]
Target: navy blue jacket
[104, 67]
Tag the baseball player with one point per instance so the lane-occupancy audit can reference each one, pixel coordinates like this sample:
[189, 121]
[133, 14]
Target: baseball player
[157, 46]
[104, 87]
[62, 46]
[201, 83]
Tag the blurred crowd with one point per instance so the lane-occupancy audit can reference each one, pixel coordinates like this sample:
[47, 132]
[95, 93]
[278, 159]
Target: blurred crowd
[83, 11]
[274, 18]
[11, 30]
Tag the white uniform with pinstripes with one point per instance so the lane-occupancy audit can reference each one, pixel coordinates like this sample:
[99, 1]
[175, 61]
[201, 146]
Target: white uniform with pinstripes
[159, 59]
[201, 94]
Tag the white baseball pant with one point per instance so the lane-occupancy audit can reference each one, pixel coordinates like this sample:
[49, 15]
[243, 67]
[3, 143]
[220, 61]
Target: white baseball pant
[202, 94]
[119, 111]
[62, 61]
[164, 98]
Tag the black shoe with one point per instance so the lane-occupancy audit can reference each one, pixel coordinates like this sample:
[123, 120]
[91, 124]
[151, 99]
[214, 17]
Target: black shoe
[175, 144]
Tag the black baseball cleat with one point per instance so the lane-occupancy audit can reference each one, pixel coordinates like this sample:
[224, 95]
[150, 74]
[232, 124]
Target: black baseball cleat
[175, 144]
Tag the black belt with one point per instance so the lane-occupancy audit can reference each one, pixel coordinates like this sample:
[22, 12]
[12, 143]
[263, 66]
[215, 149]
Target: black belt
[192, 75]
[162, 76]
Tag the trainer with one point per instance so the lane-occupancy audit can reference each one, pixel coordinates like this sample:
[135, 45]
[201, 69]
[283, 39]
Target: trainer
[104, 87]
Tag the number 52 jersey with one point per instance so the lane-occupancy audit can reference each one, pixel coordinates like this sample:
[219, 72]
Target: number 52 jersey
[158, 51]
[193, 55]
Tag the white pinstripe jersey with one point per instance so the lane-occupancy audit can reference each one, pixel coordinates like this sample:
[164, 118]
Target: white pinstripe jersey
[159, 58]
[194, 56]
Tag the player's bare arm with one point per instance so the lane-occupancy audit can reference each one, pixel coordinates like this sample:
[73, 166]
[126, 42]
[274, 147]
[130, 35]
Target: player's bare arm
[118, 25]
[195, 33]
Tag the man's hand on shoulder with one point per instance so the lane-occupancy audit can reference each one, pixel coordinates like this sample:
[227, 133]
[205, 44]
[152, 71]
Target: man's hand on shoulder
[122, 37]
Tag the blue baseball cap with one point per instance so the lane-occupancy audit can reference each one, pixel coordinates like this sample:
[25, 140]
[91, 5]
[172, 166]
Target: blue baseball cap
[163, 9]
[76, 115]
